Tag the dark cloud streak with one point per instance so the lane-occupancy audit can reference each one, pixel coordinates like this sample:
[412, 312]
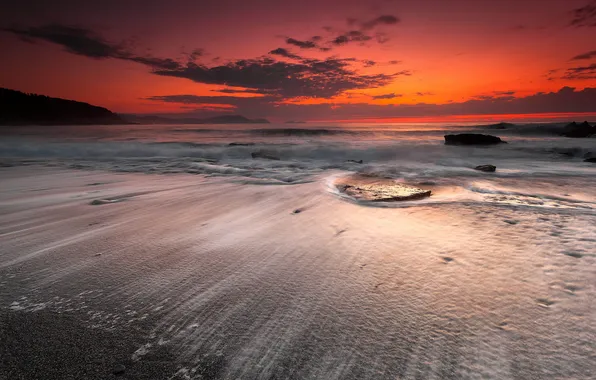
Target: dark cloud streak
[84, 42]
[301, 44]
[74, 39]
[359, 32]
[581, 72]
[585, 16]
[237, 91]
[351, 36]
[588, 55]
[381, 20]
[386, 96]
[284, 53]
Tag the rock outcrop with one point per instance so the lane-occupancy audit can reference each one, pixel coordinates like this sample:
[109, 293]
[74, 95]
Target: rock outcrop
[486, 168]
[579, 130]
[379, 189]
[472, 139]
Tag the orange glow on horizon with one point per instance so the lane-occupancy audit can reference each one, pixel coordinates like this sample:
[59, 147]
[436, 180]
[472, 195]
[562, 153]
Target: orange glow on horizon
[542, 117]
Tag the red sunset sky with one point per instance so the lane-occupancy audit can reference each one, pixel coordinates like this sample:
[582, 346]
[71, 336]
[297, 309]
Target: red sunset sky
[308, 60]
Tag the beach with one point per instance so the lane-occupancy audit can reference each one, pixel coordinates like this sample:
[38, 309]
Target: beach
[192, 277]
[192, 260]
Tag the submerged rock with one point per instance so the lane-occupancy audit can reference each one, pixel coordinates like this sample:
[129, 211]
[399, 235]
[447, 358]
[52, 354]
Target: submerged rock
[379, 189]
[265, 155]
[486, 168]
[355, 162]
[591, 159]
[575, 254]
[579, 130]
[241, 144]
[472, 139]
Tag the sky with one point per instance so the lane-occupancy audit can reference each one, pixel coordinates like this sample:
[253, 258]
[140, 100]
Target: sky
[308, 60]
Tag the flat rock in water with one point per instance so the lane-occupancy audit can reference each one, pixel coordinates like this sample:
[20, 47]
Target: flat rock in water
[379, 189]
[472, 139]
[486, 168]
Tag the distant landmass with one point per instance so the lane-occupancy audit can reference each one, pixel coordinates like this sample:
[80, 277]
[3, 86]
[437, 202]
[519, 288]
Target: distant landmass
[224, 119]
[19, 108]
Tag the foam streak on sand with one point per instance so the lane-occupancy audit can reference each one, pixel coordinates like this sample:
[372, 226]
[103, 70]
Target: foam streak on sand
[212, 278]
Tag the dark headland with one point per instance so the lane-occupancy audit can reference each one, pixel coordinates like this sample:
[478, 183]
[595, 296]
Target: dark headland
[19, 108]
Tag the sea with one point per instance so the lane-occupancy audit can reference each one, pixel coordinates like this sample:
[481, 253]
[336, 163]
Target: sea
[536, 167]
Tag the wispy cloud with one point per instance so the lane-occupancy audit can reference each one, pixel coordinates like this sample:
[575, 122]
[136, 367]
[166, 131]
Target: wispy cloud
[387, 96]
[588, 55]
[284, 53]
[308, 44]
[585, 16]
[381, 20]
[359, 31]
[351, 36]
[80, 41]
[581, 72]
[362, 33]
[237, 91]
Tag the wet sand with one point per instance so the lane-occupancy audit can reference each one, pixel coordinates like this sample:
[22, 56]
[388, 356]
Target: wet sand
[188, 277]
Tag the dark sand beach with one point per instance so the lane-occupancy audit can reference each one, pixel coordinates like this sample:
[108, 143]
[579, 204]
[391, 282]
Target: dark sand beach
[187, 277]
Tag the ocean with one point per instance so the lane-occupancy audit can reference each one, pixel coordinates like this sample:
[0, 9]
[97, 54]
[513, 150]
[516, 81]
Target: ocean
[535, 167]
